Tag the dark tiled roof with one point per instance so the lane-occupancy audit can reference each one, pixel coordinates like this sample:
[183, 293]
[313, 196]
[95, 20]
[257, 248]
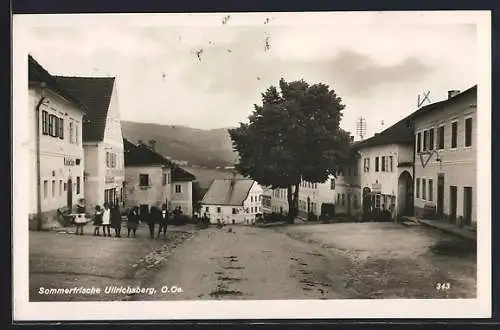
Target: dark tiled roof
[37, 74]
[399, 133]
[228, 192]
[179, 174]
[95, 93]
[141, 155]
[402, 131]
[440, 104]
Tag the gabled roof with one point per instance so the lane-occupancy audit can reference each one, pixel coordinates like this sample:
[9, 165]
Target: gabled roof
[179, 174]
[399, 133]
[229, 192]
[142, 155]
[95, 93]
[38, 74]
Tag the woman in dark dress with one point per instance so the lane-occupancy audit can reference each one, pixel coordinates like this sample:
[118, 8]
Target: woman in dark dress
[133, 221]
[116, 220]
[163, 220]
[151, 219]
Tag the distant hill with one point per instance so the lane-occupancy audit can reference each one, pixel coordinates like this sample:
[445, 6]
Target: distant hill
[209, 148]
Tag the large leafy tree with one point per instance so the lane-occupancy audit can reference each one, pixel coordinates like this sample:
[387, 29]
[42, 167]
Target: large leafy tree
[294, 135]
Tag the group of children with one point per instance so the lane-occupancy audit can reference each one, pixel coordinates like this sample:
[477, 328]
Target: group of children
[110, 216]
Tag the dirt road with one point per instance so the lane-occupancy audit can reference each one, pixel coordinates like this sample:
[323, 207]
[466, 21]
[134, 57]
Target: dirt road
[254, 263]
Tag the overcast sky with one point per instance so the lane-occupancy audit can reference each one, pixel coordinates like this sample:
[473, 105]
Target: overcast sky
[377, 65]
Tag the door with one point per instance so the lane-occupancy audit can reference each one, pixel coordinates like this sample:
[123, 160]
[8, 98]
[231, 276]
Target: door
[349, 204]
[453, 204]
[440, 195]
[70, 193]
[467, 206]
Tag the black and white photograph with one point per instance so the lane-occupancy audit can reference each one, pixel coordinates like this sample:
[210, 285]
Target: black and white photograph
[252, 165]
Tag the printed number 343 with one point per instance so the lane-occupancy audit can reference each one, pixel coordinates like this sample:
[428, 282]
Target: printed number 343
[444, 286]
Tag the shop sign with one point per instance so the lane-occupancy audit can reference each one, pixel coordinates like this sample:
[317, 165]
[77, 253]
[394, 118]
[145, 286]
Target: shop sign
[109, 179]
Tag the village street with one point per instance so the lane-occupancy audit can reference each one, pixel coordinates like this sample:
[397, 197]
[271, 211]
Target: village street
[368, 260]
[334, 261]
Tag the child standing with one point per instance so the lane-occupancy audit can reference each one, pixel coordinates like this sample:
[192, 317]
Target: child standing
[80, 219]
[106, 220]
[97, 220]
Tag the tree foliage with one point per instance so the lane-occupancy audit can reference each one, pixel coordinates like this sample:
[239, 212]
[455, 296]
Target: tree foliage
[294, 135]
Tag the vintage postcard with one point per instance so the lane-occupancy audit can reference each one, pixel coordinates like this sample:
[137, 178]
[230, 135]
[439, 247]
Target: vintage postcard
[252, 166]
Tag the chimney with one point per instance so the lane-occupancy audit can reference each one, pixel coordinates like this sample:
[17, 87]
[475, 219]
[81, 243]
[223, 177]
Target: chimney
[453, 93]
[152, 144]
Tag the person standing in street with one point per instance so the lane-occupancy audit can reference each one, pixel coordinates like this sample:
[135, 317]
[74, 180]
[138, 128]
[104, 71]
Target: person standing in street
[163, 220]
[80, 219]
[133, 221]
[151, 220]
[97, 220]
[116, 219]
[106, 220]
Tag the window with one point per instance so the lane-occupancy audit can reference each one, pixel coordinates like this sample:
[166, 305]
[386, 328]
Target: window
[177, 188]
[424, 189]
[260, 209]
[468, 132]
[417, 187]
[53, 188]
[332, 184]
[71, 135]
[45, 188]
[235, 210]
[76, 133]
[419, 142]
[64, 186]
[431, 139]
[61, 128]
[206, 209]
[390, 163]
[383, 163]
[440, 138]
[107, 159]
[164, 179]
[431, 192]
[143, 180]
[51, 125]
[251, 199]
[454, 132]
[60, 188]
[343, 199]
[218, 209]
[426, 140]
[366, 165]
[45, 122]
[376, 164]
[77, 185]
[338, 198]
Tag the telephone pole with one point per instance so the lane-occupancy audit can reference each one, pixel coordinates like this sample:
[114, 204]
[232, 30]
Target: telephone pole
[361, 127]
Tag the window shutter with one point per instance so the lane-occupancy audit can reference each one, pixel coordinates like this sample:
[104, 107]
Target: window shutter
[61, 128]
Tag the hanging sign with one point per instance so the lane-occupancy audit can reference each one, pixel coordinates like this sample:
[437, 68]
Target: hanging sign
[68, 161]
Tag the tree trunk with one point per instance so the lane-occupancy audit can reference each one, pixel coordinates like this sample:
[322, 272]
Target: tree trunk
[293, 202]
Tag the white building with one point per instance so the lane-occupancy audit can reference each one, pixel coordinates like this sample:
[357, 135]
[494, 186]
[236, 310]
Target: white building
[102, 138]
[233, 201]
[147, 177]
[267, 195]
[445, 159]
[182, 190]
[59, 123]
[386, 168]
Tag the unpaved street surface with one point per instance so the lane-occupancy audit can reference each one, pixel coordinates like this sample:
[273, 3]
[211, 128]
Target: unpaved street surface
[335, 261]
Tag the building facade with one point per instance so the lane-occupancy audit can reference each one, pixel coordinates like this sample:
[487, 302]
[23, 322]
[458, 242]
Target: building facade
[233, 201]
[59, 117]
[182, 190]
[147, 177]
[102, 138]
[267, 195]
[445, 159]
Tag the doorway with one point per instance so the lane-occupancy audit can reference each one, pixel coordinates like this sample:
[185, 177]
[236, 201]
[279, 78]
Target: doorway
[405, 195]
[440, 195]
[467, 206]
[453, 204]
[70, 194]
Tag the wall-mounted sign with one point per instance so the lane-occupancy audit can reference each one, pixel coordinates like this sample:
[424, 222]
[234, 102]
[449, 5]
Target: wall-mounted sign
[109, 179]
[68, 161]
[376, 188]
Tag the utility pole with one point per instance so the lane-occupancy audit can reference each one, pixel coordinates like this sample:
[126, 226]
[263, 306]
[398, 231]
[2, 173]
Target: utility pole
[39, 221]
[361, 127]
